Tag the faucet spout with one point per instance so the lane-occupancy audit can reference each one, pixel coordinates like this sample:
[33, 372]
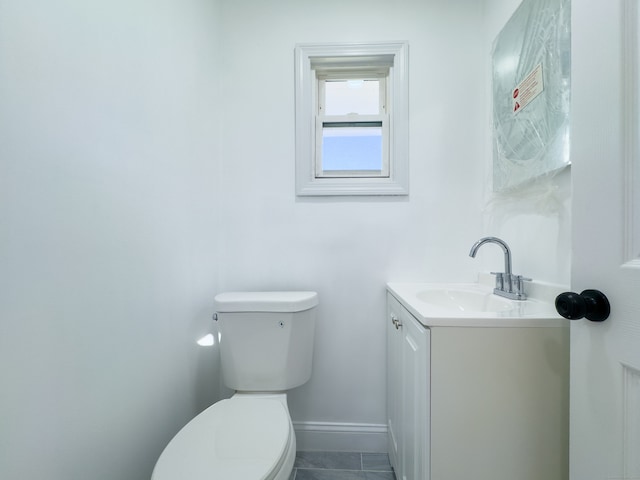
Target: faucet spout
[503, 245]
[507, 285]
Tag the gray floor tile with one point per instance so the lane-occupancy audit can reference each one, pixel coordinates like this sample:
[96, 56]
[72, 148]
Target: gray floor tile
[328, 460]
[379, 476]
[342, 466]
[378, 462]
[326, 474]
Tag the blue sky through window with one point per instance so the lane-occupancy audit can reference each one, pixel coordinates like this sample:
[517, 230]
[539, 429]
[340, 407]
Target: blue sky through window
[358, 152]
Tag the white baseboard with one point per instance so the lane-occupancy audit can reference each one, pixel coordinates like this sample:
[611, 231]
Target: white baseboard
[341, 437]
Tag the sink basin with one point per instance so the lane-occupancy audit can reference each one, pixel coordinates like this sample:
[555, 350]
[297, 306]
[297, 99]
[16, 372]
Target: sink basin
[465, 300]
[471, 304]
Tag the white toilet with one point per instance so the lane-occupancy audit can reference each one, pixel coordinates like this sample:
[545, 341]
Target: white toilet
[266, 348]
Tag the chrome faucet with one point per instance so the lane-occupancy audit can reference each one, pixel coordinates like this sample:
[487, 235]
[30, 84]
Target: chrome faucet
[507, 284]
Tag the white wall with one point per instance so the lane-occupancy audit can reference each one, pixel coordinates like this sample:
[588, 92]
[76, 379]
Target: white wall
[348, 248]
[108, 164]
[147, 162]
[535, 220]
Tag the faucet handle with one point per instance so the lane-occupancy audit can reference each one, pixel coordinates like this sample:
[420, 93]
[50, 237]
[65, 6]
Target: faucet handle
[499, 280]
[518, 283]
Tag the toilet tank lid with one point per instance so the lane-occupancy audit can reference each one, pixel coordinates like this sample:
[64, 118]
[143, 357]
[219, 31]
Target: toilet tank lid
[265, 301]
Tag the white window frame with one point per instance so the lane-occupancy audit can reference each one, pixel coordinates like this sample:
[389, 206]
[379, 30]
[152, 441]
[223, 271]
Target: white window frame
[315, 62]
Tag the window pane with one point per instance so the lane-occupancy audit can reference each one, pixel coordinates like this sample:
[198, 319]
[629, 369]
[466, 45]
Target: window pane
[344, 97]
[352, 147]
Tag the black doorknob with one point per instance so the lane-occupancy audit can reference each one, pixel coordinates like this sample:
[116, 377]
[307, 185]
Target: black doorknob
[590, 304]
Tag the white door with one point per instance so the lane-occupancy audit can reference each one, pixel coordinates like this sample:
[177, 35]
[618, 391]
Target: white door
[605, 357]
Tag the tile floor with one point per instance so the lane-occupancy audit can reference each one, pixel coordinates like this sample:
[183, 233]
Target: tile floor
[341, 466]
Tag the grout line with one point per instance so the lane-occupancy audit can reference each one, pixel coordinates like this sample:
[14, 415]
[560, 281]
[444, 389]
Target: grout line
[334, 469]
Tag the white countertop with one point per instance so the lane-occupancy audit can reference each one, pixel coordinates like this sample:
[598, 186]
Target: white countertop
[449, 307]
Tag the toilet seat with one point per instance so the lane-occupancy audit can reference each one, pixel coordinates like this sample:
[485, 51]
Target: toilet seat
[240, 438]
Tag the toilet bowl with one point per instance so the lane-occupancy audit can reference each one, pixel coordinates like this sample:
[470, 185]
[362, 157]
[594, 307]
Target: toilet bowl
[245, 437]
[266, 348]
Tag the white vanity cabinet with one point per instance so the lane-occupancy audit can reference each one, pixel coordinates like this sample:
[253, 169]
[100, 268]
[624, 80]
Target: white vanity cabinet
[467, 401]
[408, 344]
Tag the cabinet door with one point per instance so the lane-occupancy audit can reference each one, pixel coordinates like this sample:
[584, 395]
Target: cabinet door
[394, 381]
[415, 457]
[408, 357]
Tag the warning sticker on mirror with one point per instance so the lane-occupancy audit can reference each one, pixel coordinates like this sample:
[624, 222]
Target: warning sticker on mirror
[528, 89]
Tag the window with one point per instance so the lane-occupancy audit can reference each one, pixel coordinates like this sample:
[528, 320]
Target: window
[352, 119]
[351, 126]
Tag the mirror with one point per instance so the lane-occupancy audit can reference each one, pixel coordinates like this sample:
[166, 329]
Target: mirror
[531, 93]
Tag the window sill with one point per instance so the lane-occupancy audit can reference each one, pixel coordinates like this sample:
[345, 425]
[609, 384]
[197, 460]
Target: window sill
[351, 186]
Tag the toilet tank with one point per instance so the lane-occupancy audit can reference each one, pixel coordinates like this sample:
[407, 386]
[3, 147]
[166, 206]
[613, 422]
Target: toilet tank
[266, 339]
